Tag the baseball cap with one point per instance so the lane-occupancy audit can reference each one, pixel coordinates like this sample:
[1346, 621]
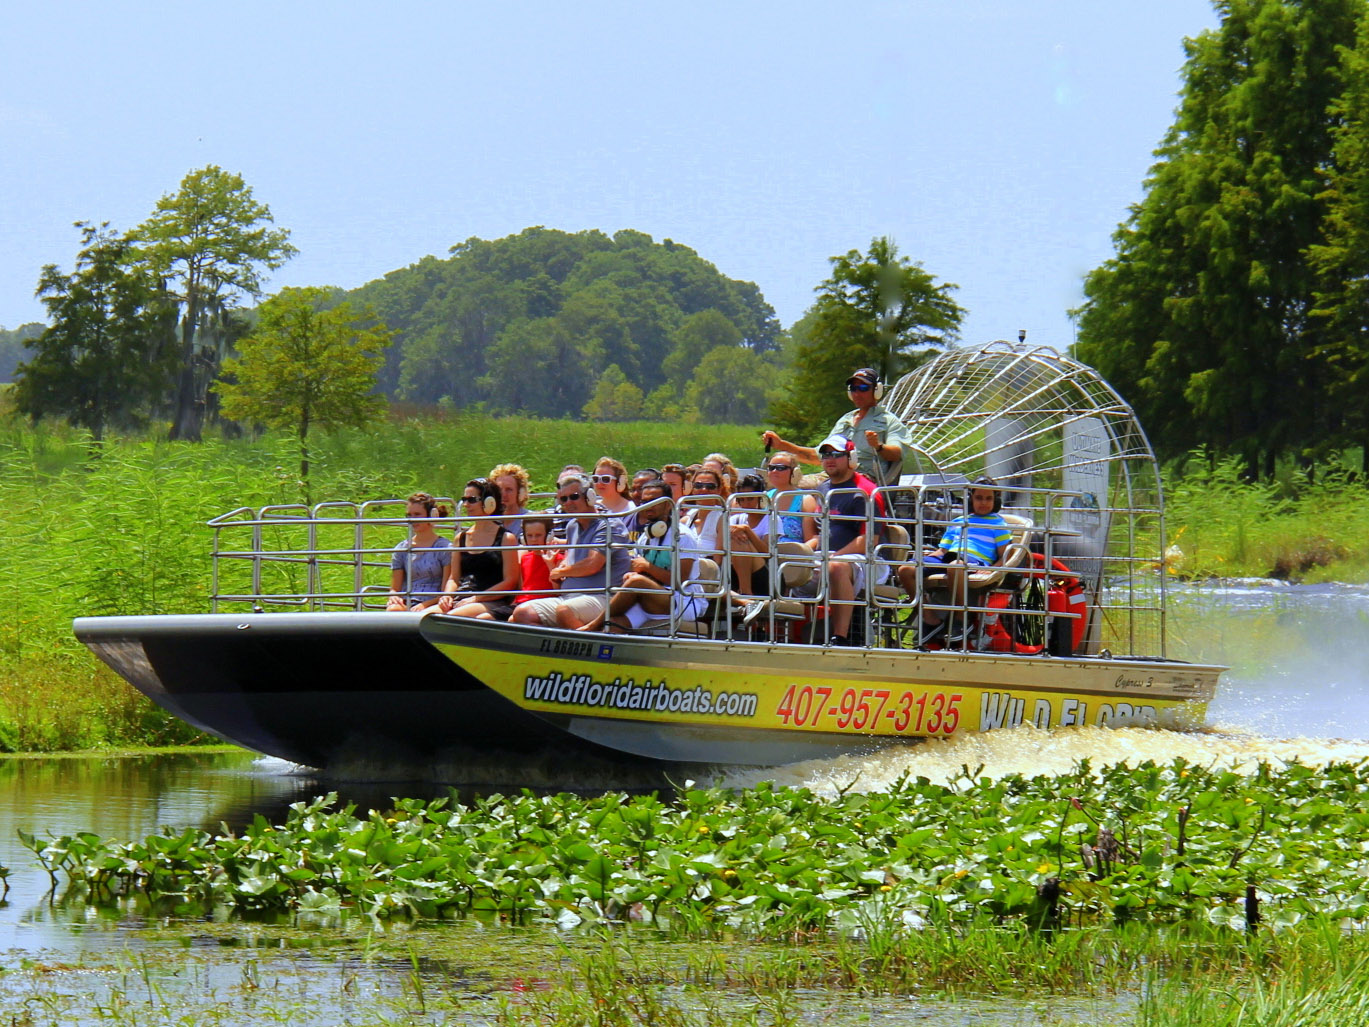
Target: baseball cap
[865, 376]
[840, 443]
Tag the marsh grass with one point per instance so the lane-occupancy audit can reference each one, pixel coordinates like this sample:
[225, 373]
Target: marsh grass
[1196, 976]
[1298, 529]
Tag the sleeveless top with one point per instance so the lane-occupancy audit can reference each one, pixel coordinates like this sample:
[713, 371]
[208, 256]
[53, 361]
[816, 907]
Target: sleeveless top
[791, 526]
[481, 569]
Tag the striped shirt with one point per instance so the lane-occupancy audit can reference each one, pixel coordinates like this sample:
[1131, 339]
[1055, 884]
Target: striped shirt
[977, 539]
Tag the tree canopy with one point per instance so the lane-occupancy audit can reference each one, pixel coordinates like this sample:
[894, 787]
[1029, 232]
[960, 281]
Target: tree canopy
[303, 367]
[103, 360]
[537, 322]
[1203, 318]
[209, 241]
[877, 309]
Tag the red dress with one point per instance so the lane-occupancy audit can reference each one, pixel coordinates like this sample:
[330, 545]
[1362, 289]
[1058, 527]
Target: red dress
[536, 576]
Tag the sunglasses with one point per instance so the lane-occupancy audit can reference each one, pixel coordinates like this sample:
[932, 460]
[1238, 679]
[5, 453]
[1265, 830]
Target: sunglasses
[775, 468]
[603, 479]
[858, 387]
[705, 486]
[831, 454]
[470, 499]
[571, 497]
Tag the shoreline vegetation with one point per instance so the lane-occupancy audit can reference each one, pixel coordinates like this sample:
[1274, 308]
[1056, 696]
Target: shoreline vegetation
[118, 527]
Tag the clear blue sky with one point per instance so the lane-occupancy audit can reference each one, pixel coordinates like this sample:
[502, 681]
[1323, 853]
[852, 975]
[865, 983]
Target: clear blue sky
[999, 142]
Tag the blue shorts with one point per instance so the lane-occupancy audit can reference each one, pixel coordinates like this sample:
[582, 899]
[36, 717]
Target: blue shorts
[938, 561]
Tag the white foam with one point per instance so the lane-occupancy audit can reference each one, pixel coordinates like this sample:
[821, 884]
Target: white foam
[1030, 751]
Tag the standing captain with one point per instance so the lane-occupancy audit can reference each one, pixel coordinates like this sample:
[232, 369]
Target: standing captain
[879, 436]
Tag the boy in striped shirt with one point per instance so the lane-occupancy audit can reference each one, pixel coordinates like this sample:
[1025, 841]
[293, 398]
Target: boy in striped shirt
[975, 540]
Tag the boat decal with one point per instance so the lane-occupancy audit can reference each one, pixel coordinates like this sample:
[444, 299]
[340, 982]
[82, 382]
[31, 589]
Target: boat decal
[583, 691]
[790, 701]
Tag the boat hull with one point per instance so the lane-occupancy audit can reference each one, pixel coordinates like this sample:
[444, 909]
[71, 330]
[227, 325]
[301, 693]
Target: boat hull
[401, 696]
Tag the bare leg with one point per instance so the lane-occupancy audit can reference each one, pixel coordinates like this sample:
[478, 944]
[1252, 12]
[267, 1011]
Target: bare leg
[841, 578]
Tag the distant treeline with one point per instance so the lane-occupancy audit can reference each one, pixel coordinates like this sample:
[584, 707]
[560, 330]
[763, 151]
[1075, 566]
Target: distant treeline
[561, 324]
[12, 347]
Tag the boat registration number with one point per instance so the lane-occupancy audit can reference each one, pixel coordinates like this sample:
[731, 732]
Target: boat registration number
[858, 709]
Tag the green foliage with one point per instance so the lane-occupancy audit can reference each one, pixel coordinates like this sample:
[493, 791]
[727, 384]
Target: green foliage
[615, 398]
[731, 386]
[1115, 844]
[210, 242]
[304, 367]
[1202, 318]
[103, 360]
[879, 310]
[569, 305]
[1341, 263]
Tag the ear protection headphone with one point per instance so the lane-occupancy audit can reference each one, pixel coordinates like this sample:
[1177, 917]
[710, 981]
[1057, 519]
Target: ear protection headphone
[623, 482]
[879, 387]
[490, 491]
[657, 528]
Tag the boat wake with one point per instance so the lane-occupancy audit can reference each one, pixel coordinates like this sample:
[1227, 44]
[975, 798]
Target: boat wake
[1030, 751]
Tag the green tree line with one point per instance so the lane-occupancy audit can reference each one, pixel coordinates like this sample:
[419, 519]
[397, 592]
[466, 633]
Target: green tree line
[152, 324]
[1234, 313]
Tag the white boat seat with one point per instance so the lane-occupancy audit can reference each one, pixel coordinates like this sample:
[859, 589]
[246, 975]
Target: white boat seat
[1016, 554]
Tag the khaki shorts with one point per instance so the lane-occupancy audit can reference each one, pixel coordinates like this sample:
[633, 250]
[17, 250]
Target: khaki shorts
[585, 607]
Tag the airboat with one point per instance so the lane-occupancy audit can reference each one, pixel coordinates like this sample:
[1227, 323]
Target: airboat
[299, 659]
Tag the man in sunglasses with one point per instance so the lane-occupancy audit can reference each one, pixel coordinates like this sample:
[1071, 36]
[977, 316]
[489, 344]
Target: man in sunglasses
[839, 535]
[879, 437]
[585, 574]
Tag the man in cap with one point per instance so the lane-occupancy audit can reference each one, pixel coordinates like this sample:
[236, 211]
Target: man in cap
[879, 437]
[840, 534]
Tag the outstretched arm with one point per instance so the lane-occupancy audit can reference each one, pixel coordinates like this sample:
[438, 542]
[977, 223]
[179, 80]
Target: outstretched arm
[806, 454]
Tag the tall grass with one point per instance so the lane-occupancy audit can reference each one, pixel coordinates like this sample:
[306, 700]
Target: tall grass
[1226, 526]
[119, 528]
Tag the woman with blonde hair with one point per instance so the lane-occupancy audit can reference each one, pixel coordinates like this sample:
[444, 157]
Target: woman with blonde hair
[705, 513]
[611, 483]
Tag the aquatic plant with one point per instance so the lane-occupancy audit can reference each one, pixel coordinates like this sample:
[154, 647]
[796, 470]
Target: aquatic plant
[1111, 844]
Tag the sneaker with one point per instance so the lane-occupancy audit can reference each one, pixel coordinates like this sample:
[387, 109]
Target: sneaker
[753, 610]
